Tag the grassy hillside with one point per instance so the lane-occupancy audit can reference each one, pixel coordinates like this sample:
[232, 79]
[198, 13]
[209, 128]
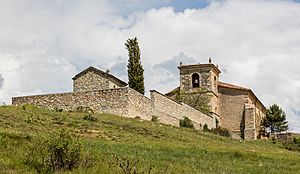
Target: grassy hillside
[167, 149]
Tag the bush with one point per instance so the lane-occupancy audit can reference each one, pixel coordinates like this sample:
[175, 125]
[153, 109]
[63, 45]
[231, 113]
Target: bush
[186, 122]
[84, 109]
[132, 165]
[154, 119]
[59, 151]
[58, 109]
[205, 127]
[221, 131]
[294, 145]
[90, 118]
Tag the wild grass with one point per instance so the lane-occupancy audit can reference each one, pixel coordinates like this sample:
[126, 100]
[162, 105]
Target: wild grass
[165, 149]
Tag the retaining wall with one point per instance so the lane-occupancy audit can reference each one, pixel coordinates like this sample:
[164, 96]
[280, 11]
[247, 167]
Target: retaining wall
[180, 110]
[121, 101]
[114, 101]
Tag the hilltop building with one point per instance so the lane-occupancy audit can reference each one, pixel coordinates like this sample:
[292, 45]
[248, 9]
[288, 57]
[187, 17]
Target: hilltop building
[232, 107]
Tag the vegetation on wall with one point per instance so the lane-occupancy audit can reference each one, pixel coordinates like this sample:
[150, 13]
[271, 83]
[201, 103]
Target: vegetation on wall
[135, 69]
[199, 99]
[275, 120]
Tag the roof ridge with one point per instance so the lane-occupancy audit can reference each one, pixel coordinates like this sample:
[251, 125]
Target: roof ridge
[229, 85]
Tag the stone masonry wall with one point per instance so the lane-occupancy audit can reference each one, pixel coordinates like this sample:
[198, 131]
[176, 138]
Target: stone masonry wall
[139, 105]
[92, 81]
[180, 110]
[249, 132]
[186, 78]
[114, 101]
[121, 101]
[232, 106]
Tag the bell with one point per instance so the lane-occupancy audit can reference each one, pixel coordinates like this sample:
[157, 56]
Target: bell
[196, 81]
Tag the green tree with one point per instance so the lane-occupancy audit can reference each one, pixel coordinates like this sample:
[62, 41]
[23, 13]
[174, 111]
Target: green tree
[275, 120]
[135, 69]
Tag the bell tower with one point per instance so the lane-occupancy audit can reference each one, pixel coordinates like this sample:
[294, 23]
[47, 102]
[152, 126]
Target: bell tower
[197, 78]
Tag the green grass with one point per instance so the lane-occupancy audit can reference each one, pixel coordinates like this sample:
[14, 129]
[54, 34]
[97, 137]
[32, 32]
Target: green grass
[168, 149]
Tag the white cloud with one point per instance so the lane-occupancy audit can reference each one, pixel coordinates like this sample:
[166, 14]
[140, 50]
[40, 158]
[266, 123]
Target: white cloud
[256, 44]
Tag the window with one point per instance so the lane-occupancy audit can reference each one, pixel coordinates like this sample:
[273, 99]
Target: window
[215, 81]
[195, 80]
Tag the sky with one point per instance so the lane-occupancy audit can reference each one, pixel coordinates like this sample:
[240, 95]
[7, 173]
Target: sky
[256, 43]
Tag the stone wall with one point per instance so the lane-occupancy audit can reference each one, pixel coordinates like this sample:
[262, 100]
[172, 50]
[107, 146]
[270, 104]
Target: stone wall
[259, 112]
[249, 131]
[114, 101]
[186, 78]
[180, 110]
[139, 105]
[121, 101]
[92, 81]
[232, 107]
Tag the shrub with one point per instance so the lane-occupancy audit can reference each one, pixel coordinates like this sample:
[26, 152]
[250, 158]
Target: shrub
[186, 122]
[59, 151]
[90, 118]
[132, 165]
[58, 109]
[205, 127]
[84, 109]
[294, 145]
[154, 119]
[221, 131]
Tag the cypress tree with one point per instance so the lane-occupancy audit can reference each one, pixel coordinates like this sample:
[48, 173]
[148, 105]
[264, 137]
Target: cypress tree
[134, 68]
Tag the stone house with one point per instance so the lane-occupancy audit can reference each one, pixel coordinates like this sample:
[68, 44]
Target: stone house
[236, 108]
[94, 79]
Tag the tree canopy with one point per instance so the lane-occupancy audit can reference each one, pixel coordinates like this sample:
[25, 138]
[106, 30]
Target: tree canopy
[275, 120]
[135, 69]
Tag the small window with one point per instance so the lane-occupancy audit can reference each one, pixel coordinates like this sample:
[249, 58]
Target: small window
[195, 80]
[114, 86]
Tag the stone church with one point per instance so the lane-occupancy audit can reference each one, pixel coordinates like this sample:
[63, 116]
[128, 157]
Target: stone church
[232, 107]
[237, 108]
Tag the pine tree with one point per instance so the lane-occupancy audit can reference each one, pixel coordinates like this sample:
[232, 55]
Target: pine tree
[135, 69]
[275, 119]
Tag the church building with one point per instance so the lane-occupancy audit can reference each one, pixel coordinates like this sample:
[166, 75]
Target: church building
[237, 108]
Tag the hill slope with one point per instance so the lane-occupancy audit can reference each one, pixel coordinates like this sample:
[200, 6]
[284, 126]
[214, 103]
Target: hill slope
[167, 149]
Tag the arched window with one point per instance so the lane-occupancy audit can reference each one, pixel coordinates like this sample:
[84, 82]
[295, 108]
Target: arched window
[195, 80]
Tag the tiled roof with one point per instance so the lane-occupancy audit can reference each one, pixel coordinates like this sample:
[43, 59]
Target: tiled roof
[227, 85]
